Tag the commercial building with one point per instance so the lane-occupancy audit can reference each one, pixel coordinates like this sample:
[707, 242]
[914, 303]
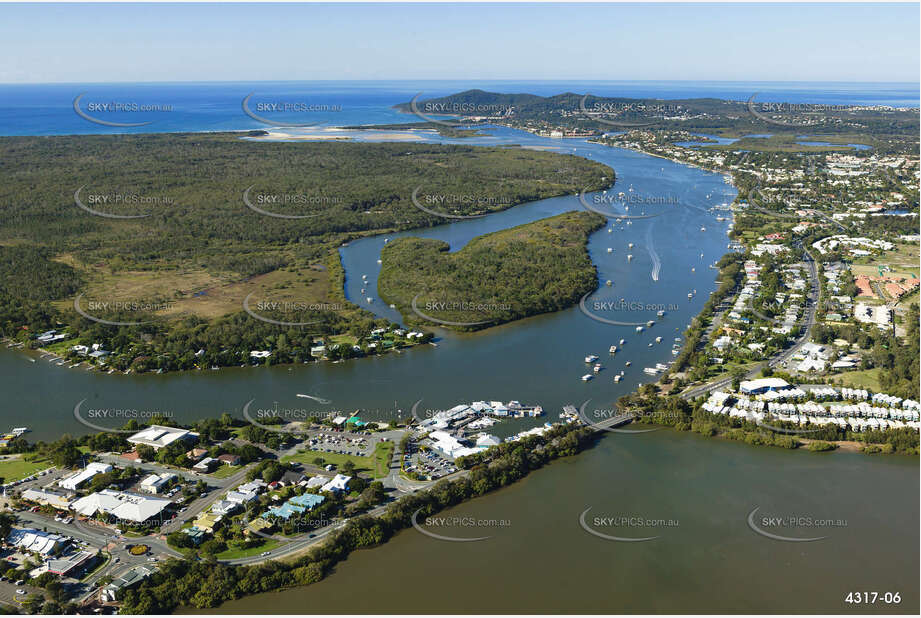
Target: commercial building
[762, 385]
[158, 436]
[155, 483]
[125, 506]
[340, 482]
[73, 482]
[57, 499]
[37, 541]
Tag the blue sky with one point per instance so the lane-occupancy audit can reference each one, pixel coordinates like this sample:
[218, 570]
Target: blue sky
[209, 42]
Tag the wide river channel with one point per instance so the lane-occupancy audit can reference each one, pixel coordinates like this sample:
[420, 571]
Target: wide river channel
[694, 495]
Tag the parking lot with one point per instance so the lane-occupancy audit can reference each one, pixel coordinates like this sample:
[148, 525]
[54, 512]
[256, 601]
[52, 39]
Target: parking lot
[342, 443]
[429, 464]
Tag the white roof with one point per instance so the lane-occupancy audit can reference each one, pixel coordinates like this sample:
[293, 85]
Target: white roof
[241, 496]
[159, 436]
[74, 481]
[131, 507]
[317, 481]
[339, 483]
[772, 383]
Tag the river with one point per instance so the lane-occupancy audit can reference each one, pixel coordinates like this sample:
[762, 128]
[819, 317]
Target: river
[543, 561]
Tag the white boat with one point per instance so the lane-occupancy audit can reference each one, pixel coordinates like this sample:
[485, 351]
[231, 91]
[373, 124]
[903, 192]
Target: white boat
[591, 358]
[629, 257]
[623, 341]
[380, 262]
[658, 339]
[596, 368]
[587, 377]
[661, 366]
[650, 322]
[639, 329]
[617, 378]
[650, 371]
[690, 295]
[609, 283]
[627, 364]
[610, 230]
[649, 345]
[676, 352]
[693, 270]
[612, 349]
[610, 250]
[703, 229]
[660, 313]
[629, 245]
[369, 299]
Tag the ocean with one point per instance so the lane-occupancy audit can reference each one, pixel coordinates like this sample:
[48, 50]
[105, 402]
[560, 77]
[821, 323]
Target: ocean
[48, 109]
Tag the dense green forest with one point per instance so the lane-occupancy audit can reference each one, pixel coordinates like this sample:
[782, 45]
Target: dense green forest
[197, 246]
[507, 275]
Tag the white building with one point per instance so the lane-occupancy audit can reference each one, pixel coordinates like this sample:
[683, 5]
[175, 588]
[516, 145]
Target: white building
[125, 506]
[340, 482]
[74, 481]
[881, 315]
[155, 483]
[158, 436]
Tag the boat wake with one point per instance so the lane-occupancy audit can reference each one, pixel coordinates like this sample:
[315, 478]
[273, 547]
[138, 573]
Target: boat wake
[317, 399]
[650, 246]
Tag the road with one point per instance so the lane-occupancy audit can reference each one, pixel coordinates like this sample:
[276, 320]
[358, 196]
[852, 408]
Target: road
[813, 297]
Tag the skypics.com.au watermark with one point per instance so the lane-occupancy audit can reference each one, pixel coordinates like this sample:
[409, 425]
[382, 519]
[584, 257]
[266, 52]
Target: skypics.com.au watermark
[98, 203]
[100, 418]
[295, 309]
[103, 112]
[791, 114]
[452, 523]
[306, 205]
[437, 203]
[120, 308]
[487, 309]
[628, 115]
[623, 524]
[427, 109]
[792, 527]
[599, 203]
[597, 309]
[267, 112]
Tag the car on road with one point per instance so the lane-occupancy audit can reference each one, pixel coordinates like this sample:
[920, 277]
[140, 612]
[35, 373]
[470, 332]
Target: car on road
[265, 553]
[20, 591]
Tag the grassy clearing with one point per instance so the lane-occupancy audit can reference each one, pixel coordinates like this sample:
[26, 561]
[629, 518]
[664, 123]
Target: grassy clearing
[225, 471]
[867, 379]
[362, 464]
[199, 293]
[383, 453]
[233, 554]
[19, 467]
[377, 465]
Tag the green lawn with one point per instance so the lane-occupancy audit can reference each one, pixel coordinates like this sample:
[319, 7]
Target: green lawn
[867, 379]
[225, 471]
[233, 554]
[362, 464]
[378, 465]
[383, 453]
[21, 467]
